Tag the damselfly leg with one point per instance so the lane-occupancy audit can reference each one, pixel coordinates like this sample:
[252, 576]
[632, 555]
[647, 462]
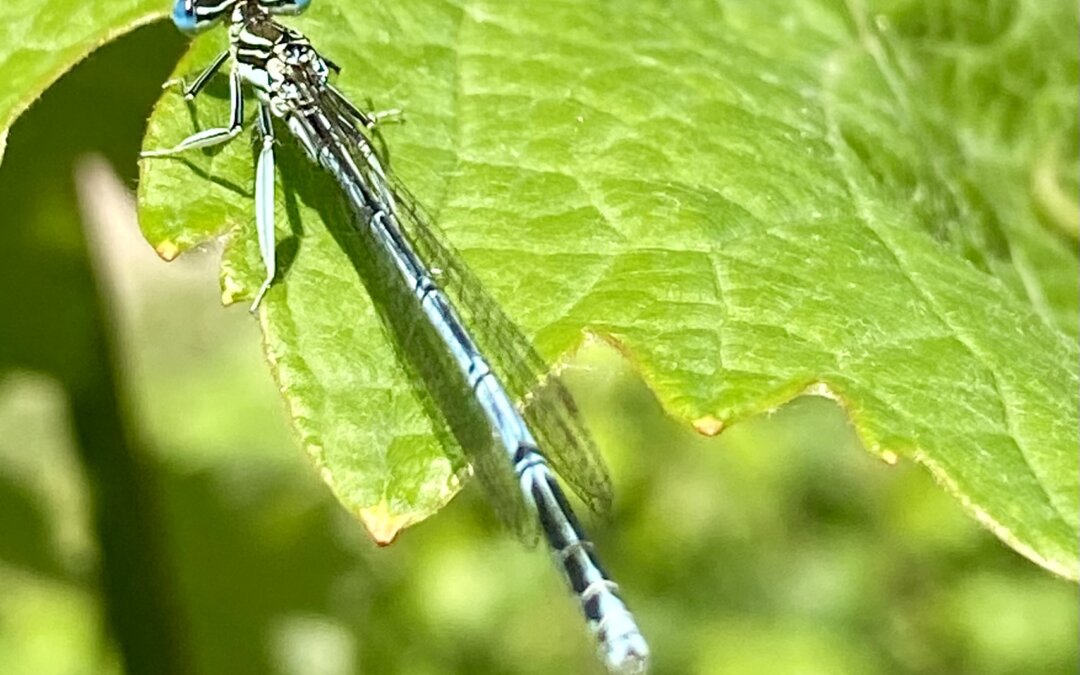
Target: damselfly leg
[216, 136]
[368, 120]
[264, 203]
[190, 91]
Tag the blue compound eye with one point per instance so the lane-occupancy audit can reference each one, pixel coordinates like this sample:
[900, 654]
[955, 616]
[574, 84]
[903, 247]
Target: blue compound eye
[183, 15]
[192, 16]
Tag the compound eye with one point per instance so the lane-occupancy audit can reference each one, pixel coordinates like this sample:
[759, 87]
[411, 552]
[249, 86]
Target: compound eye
[183, 15]
[193, 16]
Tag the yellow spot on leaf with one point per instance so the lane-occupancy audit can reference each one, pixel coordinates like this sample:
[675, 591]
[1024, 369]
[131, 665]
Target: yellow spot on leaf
[382, 525]
[708, 425]
[231, 290]
[167, 250]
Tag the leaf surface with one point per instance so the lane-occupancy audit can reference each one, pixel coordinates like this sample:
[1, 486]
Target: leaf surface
[753, 201]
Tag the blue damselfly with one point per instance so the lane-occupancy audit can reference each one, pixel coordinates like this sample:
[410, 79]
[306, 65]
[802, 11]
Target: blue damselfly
[291, 81]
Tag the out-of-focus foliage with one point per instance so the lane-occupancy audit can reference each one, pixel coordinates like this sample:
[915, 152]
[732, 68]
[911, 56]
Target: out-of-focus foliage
[55, 323]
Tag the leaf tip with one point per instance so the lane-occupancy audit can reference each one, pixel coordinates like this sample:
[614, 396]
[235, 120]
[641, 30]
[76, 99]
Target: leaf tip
[383, 525]
[708, 425]
[167, 250]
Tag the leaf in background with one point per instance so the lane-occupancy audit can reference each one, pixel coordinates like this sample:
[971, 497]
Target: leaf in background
[753, 201]
[40, 40]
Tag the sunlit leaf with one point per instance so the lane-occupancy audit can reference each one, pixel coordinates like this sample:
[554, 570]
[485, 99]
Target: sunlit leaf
[751, 200]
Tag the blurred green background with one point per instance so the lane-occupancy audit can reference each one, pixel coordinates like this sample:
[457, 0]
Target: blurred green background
[153, 504]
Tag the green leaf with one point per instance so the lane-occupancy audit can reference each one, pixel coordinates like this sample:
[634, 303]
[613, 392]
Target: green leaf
[40, 40]
[752, 200]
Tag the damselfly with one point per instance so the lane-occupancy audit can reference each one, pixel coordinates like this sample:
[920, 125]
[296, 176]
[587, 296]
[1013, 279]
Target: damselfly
[291, 82]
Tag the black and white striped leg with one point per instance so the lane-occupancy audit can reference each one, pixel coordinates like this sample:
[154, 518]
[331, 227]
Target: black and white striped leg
[218, 135]
[368, 120]
[190, 91]
[264, 203]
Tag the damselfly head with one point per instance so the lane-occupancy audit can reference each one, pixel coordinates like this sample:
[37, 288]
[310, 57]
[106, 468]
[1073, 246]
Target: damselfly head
[193, 16]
